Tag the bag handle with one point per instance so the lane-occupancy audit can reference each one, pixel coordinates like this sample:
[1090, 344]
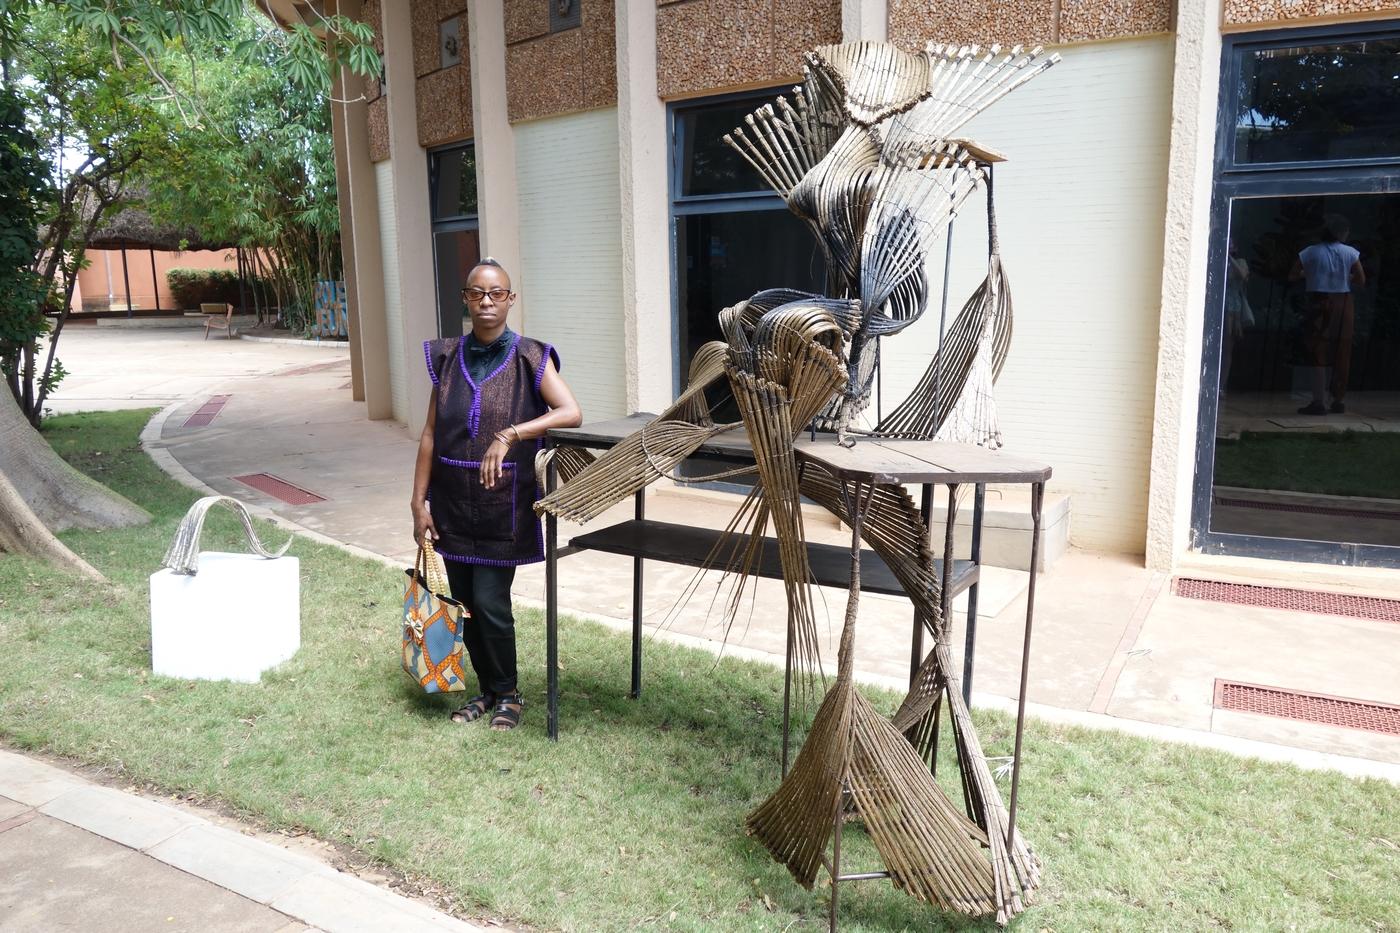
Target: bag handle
[431, 569]
[183, 556]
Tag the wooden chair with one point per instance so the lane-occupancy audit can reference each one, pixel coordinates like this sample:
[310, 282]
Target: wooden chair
[217, 317]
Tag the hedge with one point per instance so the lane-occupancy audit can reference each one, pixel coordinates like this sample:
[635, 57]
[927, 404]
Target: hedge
[193, 287]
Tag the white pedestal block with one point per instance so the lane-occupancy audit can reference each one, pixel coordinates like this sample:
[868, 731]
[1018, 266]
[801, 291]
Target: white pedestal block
[237, 617]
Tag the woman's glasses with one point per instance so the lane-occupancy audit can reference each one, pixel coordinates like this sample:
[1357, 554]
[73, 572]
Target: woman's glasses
[476, 294]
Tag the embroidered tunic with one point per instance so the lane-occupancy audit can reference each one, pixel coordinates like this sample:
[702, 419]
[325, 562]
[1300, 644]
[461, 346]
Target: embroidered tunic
[497, 527]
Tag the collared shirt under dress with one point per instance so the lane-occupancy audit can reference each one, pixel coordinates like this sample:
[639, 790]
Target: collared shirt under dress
[475, 525]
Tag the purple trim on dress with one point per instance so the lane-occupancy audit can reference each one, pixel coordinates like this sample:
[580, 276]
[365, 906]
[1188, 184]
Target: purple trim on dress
[488, 562]
[549, 351]
[428, 358]
[474, 416]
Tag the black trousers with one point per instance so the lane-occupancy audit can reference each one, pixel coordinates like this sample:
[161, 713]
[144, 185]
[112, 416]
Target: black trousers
[490, 635]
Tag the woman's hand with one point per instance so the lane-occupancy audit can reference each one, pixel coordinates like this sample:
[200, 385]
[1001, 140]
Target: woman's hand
[423, 524]
[491, 463]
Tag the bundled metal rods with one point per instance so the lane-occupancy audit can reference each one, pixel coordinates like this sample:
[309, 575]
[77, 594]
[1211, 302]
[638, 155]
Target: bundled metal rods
[864, 152]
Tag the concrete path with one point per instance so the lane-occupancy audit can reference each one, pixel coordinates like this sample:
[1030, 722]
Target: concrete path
[1111, 639]
[75, 855]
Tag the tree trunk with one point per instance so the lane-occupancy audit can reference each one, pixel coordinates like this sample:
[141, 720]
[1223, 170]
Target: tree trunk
[55, 495]
[22, 533]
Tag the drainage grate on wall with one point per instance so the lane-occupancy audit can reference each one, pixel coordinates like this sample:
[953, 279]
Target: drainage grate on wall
[1308, 509]
[207, 411]
[1308, 707]
[1278, 597]
[280, 489]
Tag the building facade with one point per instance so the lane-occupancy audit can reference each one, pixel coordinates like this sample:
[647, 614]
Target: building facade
[1163, 184]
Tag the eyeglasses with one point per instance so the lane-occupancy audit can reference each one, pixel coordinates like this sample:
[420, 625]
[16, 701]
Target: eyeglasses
[476, 294]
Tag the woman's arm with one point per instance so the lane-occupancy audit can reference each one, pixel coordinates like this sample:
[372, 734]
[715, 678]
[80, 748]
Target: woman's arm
[564, 412]
[422, 469]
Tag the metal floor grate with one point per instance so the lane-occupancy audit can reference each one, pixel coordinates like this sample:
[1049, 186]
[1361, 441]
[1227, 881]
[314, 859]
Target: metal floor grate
[1278, 597]
[207, 411]
[1308, 707]
[280, 489]
[1308, 509]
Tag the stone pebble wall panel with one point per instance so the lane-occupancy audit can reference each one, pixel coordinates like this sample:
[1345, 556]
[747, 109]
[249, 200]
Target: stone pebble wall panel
[913, 23]
[709, 46]
[1275, 13]
[442, 96]
[548, 74]
[377, 129]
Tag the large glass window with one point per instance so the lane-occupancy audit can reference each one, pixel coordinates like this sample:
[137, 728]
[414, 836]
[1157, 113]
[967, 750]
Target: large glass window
[1300, 447]
[1318, 102]
[456, 233]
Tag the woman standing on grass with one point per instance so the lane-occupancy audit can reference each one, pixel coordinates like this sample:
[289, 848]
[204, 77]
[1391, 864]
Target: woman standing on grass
[495, 394]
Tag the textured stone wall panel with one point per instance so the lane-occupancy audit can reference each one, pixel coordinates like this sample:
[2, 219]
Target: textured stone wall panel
[914, 23]
[705, 45]
[599, 53]
[448, 8]
[545, 76]
[1298, 12]
[799, 26]
[378, 129]
[424, 17]
[444, 104]
[1086, 20]
[372, 14]
[526, 19]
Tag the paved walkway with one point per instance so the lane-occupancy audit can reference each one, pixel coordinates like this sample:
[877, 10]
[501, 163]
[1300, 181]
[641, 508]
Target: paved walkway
[75, 855]
[1114, 647]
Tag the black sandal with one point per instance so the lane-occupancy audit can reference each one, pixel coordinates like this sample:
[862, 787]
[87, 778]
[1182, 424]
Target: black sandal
[476, 708]
[507, 713]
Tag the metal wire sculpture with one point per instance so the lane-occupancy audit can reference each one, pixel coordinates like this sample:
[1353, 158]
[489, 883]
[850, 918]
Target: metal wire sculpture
[865, 152]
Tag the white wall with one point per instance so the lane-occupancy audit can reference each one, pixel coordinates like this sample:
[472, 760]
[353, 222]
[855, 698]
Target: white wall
[393, 294]
[1080, 209]
[571, 251]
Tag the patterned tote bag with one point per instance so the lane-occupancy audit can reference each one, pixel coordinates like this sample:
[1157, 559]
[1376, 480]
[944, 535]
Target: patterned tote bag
[433, 624]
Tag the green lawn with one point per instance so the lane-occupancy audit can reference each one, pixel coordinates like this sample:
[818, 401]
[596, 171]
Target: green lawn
[635, 817]
[1336, 463]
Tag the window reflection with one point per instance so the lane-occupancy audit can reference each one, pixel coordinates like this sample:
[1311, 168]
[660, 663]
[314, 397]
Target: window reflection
[1319, 102]
[452, 176]
[708, 165]
[1308, 422]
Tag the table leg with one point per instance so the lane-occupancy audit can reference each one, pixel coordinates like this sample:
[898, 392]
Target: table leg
[979, 501]
[551, 608]
[916, 649]
[1037, 500]
[641, 511]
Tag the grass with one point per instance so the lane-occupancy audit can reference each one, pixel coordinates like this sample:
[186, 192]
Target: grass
[1337, 463]
[635, 817]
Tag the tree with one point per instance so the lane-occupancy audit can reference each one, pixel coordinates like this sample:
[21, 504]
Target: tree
[96, 78]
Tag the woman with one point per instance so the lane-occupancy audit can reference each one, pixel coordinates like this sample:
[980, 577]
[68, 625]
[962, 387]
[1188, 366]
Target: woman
[495, 394]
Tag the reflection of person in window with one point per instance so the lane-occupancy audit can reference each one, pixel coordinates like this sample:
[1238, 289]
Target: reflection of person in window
[1238, 313]
[1330, 270]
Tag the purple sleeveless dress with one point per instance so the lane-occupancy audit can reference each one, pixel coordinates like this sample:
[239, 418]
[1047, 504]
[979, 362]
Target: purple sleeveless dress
[495, 527]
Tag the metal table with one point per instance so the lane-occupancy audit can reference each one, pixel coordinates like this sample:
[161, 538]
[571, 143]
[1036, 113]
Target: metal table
[871, 460]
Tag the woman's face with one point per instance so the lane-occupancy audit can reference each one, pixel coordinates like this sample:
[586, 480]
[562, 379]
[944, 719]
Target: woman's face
[489, 313]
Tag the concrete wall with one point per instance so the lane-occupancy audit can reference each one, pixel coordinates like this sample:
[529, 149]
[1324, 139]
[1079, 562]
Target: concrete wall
[571, 251]
[102, 285]
[1080, 202]
[393, 301]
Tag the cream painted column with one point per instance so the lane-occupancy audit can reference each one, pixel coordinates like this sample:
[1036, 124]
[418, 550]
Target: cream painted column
[408, 163]
[497, 204]
[360, 244]
[649, 341]
[864, 20]
[1191, 167]
[345, 207]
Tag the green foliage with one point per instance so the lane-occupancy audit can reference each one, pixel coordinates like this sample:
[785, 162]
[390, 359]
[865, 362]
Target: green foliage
[192, 287]
[25, 194]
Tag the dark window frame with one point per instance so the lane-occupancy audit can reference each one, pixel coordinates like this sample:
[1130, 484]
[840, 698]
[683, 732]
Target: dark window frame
[449, 223]
[1280, 179]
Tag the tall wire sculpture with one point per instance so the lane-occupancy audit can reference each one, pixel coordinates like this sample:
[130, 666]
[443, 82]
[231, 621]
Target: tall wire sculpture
[865, 151]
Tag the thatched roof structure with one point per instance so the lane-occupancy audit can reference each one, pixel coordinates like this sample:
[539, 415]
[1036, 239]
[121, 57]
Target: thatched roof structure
[133, 228]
